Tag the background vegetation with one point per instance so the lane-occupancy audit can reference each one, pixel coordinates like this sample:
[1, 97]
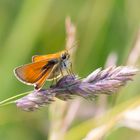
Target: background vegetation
[107, 34]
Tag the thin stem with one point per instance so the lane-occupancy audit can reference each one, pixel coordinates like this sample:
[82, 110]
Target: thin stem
[12, 99]
[7, 103]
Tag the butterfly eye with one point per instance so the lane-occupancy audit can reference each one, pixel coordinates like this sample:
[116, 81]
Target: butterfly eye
[64, 56]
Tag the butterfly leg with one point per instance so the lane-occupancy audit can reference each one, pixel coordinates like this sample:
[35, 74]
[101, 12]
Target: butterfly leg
[70, 70]
[51, 85]
[54, 75]
[53, 80]
[61, 72]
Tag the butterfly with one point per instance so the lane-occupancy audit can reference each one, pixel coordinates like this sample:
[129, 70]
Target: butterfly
[42, 68]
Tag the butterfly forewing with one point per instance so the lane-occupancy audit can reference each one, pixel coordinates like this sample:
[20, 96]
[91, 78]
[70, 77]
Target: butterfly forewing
[37, 58]
[32, 73]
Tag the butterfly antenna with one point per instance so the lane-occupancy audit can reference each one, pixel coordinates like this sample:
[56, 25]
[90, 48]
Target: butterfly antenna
[73, 46]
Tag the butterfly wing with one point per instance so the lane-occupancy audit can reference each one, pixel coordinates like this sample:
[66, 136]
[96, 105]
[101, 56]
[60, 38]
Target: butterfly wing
[35, 72]
[42, 80]
[48, 57]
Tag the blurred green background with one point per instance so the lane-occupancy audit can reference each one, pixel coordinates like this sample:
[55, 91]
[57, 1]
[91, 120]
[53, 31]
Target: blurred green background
[106, 35]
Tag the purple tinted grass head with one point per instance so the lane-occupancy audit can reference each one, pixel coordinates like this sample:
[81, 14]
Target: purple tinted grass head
[100, 81]
[35, 99]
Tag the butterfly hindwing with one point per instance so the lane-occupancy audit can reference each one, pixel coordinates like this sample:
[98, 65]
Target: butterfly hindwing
[42, 80]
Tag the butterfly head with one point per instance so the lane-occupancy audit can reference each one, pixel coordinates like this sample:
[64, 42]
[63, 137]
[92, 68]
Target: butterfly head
[65, 55]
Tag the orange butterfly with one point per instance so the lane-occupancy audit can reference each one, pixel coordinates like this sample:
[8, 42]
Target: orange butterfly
[42, 68]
